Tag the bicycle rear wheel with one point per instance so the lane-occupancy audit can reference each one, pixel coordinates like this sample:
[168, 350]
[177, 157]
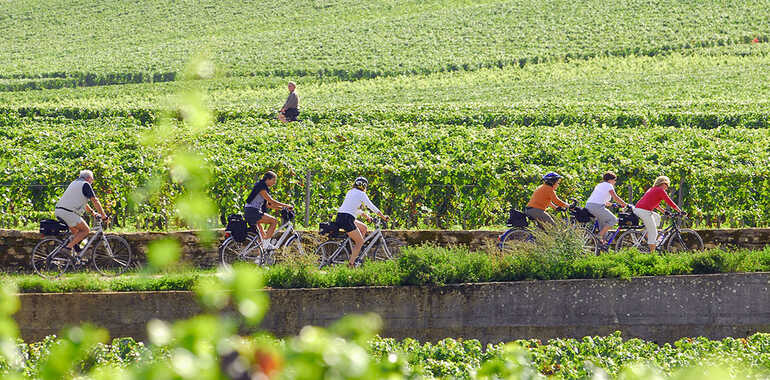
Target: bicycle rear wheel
[112, 255]
[48, 260]
[632, 239]
[326, 251]
[246, 250]
[685, 240]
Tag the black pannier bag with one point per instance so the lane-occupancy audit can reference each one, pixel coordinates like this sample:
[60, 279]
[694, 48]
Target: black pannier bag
[582, 215]
[327, 228]
[50, 227]
[517, 218]
[236, 225]
[628, 219]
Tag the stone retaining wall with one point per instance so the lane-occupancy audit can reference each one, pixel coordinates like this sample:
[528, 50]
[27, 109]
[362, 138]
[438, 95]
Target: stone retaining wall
[661, 309]
[16, 246]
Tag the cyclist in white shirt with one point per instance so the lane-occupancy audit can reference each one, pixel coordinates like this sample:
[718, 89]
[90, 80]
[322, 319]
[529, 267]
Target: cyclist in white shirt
[73, 203]
[350, 209]
[599, 199]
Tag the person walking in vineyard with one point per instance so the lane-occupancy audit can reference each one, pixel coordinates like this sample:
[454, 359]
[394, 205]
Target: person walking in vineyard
[290, 110]
[599, 199]
[257, 204]
[73, 203]
[350, 209]
[544, 197]
[651, 201]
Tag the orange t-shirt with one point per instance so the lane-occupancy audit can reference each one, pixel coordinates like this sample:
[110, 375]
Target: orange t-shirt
[543, 196]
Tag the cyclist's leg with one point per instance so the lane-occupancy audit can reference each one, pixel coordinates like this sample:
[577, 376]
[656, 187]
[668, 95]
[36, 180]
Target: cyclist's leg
[650, 224]
[362, 228]
[358, 243]
[272, 222]
[540, 216]
[76, 224]
[605, 218]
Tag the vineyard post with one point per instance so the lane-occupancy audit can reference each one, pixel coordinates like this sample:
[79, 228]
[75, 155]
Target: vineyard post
[681, 185]
[308, 177]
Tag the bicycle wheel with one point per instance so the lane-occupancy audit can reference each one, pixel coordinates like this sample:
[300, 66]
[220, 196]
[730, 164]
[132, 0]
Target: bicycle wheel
[590, 243]
[632, 239]
[685, 240]
[386, 249]
[247, 250]
[291, 248]
[48, 260]
[515, 237]
[112, 255]
[326, 251]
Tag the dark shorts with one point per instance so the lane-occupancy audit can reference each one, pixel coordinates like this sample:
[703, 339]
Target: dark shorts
[345, 221]
[291, 114]
[252, 215]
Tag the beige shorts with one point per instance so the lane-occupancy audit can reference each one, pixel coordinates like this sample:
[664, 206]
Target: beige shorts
[69, 217]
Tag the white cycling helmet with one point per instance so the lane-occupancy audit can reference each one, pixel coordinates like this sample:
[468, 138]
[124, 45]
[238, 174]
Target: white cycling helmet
[361, 182]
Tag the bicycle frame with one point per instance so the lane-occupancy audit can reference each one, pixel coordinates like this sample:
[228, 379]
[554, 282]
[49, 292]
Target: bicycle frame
[369, 242]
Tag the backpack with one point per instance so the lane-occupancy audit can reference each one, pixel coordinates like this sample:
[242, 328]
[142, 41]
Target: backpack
[236, 225]
[517, 218]
[628, 219]
[50, 227]
[582, 215]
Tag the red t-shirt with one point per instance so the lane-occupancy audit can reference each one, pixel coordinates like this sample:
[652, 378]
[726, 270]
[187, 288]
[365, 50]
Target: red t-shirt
[652, 198]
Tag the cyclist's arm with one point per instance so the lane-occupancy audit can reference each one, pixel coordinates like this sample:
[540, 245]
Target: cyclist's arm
[670, 202]
[98, 206]
[368, 203]
[272, 203]
[616, 198]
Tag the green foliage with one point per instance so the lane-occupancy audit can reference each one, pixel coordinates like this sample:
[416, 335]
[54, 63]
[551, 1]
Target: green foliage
[129, 42]
[421, 174]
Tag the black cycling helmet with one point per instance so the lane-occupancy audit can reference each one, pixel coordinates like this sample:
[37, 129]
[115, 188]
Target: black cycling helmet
[361, 183]
[551, 178]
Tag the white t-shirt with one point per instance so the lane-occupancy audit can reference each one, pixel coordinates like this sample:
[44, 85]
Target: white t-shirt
[353, 201]
[601, 193]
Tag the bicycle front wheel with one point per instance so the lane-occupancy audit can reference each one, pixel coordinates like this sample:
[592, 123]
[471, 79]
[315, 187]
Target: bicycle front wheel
[685, 240]
[112, 255]
[632, 239]
[328, 255]
[48, 260]
[513, 238]
[292, 248]
[590, 243]
[386, 249]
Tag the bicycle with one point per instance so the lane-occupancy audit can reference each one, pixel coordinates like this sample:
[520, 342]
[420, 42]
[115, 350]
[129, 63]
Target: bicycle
[335, 251]
[593, 228]
[672, 239]
[521, 233]
[109, 254]
[259, 251]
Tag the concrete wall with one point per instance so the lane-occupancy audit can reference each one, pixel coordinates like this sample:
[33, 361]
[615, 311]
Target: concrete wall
[16, 246]
[661, 309]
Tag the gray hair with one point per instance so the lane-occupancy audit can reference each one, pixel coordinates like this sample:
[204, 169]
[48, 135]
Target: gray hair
[86, 174]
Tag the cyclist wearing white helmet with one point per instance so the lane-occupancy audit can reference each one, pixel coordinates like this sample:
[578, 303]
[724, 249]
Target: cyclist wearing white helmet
[350, 209]
[544, 197]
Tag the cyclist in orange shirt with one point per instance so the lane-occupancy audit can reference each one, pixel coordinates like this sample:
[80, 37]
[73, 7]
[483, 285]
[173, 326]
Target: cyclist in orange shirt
[544, 197]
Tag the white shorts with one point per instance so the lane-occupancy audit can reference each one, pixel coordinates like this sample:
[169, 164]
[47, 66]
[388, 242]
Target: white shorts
[69, 217]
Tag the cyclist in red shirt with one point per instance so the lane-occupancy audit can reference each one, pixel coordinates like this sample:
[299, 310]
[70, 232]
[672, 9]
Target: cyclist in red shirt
[651, 201]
